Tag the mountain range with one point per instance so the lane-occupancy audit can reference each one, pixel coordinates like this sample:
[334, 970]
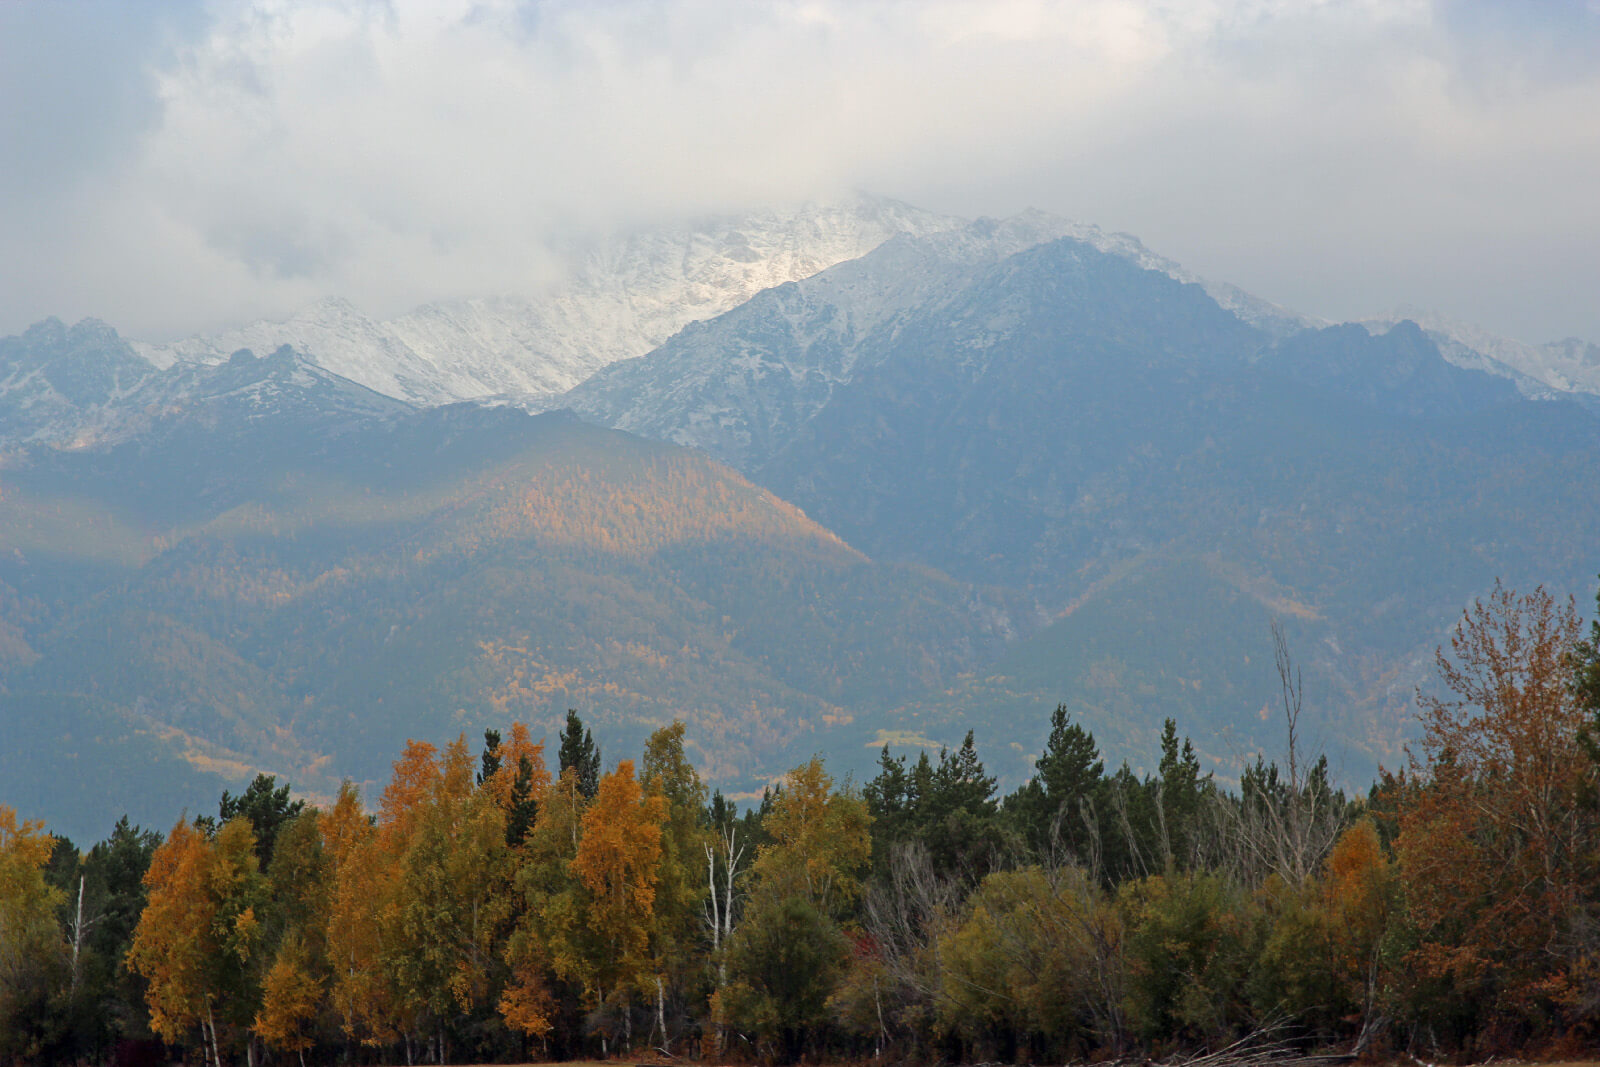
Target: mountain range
[842, 476]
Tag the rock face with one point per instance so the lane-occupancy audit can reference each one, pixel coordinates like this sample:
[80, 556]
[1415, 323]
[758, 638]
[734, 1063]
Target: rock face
[62, 385]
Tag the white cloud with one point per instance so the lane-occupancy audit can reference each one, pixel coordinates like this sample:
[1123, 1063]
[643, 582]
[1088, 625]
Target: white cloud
[1335, 156]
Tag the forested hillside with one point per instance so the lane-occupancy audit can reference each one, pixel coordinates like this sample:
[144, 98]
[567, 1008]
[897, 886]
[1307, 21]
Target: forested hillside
[488, 906]
[215, 599]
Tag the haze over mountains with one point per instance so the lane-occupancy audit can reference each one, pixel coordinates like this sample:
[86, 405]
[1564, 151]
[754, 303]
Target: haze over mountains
[853, 474]
[625, 298]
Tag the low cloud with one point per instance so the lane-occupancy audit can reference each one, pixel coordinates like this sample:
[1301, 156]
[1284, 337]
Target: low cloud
[180, 172]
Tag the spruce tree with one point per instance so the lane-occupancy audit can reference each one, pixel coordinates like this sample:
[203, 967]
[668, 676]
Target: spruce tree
[579, 752]
[489, 763]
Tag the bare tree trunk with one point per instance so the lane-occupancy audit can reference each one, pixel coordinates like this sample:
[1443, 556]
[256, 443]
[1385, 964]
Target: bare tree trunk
[883, 1031]
[211, 1020]
[77, 934]
[716, 912]
[661, 1010]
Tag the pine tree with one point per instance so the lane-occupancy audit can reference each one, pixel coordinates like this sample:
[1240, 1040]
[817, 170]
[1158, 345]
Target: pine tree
[1058, 810]
[268, 807]
[489, 762]
[579, 752]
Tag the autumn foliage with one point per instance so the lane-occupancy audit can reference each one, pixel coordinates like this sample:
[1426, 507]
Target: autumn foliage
[490, 907]
[1497, 840]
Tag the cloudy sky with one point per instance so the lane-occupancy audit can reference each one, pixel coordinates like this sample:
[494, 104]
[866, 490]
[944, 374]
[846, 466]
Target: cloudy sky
[181, 166]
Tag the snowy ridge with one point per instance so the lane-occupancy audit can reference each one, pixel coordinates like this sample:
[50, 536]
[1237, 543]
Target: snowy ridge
[1567, 366]
[645, 292]
[632, 294]
[626, 298]
[85, 386]
[738, 387]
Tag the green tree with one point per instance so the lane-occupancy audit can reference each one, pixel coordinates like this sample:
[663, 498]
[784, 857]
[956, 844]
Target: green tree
[947, 807]
[294, 994]
[451, 899]
[548, 936]
[681, 882]
[785, 960]
[104, 896]
[579, 752]
[32, 956]
[1035, 960]
[1057, 810]
[267, 807]
[788, 954]
[1192, 940]
[489, 761]
[820, 841]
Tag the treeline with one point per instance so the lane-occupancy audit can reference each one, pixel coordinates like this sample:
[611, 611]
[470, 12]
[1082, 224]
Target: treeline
[484, 910]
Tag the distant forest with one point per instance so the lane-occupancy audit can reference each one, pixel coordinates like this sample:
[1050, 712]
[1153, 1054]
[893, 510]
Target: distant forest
[483, 909]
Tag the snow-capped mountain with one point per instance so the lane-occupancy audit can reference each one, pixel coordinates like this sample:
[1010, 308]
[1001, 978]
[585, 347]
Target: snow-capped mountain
[640, 293]
[1567, 366]
[631, 295]
[741, 384]
[625, 298]
[83, 385]
[67, 384]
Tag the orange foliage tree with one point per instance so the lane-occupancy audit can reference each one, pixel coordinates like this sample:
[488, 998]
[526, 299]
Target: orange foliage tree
[29, 936]
[452, 894]
[366, 913]
[1360, 897]
[199, 930]
[1495, 832]
[618, 861]
[357, 877]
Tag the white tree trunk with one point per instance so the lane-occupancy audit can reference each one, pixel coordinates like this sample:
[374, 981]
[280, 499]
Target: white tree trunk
[661, 1010]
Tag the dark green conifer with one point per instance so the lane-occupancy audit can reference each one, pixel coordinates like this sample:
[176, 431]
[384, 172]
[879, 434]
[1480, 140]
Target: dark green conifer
[579, 752]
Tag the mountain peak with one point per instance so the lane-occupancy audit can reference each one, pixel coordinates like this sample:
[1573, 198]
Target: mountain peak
[1569, 366]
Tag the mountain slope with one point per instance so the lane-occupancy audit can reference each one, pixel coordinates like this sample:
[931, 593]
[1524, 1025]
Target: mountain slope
[231, 598]
[1061, 421]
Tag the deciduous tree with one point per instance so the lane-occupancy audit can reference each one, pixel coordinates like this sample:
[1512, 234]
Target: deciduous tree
[1495, 841]
[618, 863]
[31, 949]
